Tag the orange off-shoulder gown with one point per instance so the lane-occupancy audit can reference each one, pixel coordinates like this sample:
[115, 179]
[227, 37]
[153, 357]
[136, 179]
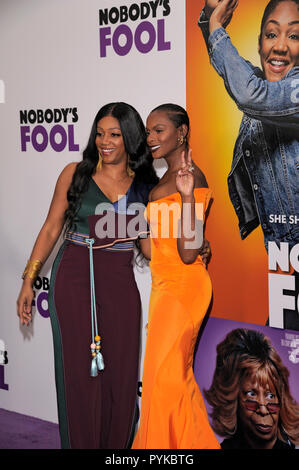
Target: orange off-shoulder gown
[173, 413]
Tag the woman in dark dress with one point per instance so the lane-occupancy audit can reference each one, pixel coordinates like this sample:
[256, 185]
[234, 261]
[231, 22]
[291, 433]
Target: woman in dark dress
[94, 302]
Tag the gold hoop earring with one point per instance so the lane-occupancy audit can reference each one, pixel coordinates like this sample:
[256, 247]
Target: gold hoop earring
[181, 140]
[99, 165]
[129, 170]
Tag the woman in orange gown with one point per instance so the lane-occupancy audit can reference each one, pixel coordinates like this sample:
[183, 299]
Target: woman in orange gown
[173, 413]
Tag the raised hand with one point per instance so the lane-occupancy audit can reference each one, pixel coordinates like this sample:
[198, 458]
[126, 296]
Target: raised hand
[185, 178]
[210, 6]
[222, 14]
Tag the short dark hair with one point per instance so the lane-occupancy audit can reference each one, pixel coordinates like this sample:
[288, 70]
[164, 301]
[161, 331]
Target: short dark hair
[177, 114]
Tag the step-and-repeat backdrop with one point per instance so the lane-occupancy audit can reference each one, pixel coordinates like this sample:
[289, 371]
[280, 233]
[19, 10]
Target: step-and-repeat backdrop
[61, 61]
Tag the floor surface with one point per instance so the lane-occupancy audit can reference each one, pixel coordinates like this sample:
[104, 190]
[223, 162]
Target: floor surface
[18, 431]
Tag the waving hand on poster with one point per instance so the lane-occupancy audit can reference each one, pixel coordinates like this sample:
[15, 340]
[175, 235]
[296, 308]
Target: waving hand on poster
[220, 12]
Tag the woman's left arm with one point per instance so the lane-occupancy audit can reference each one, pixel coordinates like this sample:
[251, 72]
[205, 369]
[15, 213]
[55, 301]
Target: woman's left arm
[190, 242]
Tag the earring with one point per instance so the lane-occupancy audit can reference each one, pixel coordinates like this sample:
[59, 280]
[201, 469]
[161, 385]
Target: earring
[99, 165]
[181, 140]
[129, 170]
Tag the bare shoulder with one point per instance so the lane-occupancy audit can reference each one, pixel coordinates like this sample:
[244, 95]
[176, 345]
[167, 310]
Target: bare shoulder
[161, 190]
[68, 172]
[69, 169]
[154, 194]
[200, 179]
[65, 178]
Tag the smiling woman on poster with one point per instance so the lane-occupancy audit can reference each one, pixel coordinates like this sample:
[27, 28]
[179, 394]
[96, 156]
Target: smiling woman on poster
[263, 181]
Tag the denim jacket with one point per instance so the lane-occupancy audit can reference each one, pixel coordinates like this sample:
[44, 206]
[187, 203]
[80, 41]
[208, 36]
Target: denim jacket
[263, 181]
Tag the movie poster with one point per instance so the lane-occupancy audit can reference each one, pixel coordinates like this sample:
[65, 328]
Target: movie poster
[243, 102]
[244, 136]
[238, 384]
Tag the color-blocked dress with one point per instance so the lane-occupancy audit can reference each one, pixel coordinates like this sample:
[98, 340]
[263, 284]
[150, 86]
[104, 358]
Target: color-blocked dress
[96, 412]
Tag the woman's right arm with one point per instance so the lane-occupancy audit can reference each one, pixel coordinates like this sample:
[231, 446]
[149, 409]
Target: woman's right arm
[46, 239]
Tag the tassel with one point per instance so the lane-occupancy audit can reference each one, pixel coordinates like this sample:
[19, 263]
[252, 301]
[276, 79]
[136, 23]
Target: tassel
[97, 362]
[100, 361]
[94, 368]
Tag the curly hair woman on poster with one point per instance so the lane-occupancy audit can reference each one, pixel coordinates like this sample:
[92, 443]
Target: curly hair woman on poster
[252, 406]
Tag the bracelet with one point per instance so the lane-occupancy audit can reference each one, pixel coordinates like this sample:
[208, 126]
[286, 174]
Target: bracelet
[32, 268]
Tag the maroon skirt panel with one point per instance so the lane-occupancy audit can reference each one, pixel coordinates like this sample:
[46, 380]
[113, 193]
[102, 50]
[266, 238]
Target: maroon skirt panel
[100, 409]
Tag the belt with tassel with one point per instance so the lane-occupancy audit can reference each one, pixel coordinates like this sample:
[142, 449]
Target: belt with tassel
[97, 361]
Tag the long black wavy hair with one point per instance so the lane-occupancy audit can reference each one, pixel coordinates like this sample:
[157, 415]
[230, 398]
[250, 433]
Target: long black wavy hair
[134, 137]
